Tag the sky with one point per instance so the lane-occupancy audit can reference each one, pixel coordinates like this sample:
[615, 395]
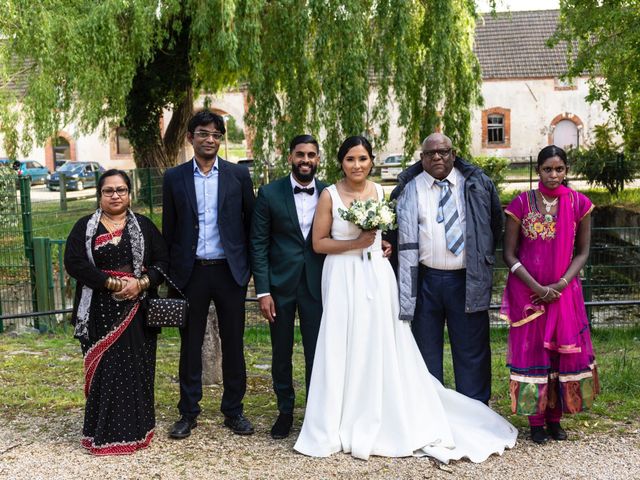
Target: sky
[515, 5]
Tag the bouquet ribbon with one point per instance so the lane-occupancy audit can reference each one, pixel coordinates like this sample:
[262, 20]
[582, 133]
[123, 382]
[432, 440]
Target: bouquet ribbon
[369, 274]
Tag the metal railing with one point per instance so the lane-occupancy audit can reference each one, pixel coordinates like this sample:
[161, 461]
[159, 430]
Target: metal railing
[36, 291]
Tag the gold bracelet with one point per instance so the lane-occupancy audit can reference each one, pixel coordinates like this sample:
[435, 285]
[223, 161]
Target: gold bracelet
[145, 282]
[566, 284]
[114, 284]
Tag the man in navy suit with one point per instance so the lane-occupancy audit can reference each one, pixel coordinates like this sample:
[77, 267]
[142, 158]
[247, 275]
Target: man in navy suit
[206, 217]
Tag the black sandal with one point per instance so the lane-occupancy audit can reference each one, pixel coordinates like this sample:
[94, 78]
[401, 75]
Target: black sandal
[556, 431]
[539, 435]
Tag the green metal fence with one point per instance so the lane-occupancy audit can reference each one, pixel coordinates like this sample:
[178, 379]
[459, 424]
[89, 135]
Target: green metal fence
[34, 224]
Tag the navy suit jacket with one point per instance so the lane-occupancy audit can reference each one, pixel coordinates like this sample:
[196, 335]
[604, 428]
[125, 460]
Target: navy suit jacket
[180, 219]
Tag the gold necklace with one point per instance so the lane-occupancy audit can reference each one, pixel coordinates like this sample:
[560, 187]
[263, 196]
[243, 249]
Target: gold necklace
[113, 222]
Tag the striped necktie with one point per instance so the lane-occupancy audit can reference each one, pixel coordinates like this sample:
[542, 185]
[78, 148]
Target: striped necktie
[448, 214]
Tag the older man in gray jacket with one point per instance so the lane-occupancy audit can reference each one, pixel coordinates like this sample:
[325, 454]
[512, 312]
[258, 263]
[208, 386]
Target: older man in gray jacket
[449, 221]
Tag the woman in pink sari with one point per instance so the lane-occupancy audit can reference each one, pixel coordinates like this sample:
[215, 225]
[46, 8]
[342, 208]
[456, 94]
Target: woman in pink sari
[550, 354]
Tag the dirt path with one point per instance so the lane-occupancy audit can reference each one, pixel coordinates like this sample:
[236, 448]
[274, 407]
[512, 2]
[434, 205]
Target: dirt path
[39, 448]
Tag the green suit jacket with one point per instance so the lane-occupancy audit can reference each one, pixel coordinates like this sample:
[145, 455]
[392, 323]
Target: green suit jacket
[279, 253]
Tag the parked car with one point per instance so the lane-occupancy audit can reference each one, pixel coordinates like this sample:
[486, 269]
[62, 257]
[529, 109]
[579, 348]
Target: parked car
[78, 175]
[391, 167]
[28, 168]
[58, 162]
[247, 162]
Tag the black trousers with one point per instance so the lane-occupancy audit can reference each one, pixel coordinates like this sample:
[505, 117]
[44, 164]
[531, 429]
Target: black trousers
[441, 297]
[207, 283]
[282, 333]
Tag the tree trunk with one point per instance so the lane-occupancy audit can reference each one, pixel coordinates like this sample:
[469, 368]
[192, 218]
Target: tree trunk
[163, 82]
[212, 351]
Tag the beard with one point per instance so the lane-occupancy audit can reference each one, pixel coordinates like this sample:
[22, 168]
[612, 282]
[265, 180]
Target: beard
[304, 177]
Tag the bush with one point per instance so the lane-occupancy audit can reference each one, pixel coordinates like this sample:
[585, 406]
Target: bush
[495, 168]
[605, 164]
[9, 214]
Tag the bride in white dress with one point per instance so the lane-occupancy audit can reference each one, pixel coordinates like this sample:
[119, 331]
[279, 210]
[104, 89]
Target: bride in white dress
[371, 392]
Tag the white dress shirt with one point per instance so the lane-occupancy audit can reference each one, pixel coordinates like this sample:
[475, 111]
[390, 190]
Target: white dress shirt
[305, 205]
[305, 209]
[206, 187]
[432, 242]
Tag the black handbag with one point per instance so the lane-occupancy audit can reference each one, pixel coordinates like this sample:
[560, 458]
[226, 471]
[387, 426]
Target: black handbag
[167, 312]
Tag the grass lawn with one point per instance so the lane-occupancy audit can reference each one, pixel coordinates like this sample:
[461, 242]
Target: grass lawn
[41, 375]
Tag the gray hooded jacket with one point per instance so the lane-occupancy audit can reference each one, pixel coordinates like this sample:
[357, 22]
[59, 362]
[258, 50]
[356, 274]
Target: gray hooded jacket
[484, 222]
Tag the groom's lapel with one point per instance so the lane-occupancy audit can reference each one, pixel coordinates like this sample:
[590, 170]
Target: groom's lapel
[287, 194]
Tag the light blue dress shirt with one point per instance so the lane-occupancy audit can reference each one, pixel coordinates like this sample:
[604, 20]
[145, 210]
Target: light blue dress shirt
[209, 241]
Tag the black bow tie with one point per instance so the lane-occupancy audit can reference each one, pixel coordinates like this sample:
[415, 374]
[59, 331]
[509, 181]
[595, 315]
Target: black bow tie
[309, 190]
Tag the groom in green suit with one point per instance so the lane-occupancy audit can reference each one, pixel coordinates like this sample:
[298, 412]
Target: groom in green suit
[286, 270]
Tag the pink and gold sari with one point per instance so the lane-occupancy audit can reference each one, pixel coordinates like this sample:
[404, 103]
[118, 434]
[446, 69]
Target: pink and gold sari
[549, 352]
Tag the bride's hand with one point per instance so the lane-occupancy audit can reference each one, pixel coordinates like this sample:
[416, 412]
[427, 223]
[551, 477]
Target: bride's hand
[366, 238]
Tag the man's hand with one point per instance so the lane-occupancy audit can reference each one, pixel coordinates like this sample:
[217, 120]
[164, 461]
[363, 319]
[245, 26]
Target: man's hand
[268, 308]
[386, 249]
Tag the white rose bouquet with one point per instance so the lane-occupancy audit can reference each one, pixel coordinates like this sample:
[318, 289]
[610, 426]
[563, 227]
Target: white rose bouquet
[371, 215]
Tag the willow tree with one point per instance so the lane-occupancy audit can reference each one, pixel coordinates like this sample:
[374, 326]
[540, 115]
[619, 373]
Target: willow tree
[604, 43]
[327, 67]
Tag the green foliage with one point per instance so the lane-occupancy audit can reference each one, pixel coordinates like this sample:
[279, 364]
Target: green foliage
[603, 41]
[604, 164]
[8, 205]
[495, 168]
[329, 67]
[235, 134]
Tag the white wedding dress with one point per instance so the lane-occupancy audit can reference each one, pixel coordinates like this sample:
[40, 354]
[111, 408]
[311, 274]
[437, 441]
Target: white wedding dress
[371, 392]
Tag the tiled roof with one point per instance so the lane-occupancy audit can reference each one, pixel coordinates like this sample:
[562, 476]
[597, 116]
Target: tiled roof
[17, 82]
[513, 45]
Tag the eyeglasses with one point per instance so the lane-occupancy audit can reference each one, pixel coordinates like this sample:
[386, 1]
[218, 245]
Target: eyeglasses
[443, 152]
[108, 192]
[204, 134]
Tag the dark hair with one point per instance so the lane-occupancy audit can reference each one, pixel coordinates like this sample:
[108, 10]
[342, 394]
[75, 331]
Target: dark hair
[351, 142]
[298, 139]
[112, 172]
[205, 117]
[552, 151]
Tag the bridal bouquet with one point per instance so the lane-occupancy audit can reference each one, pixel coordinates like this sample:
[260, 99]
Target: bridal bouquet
[371, 214]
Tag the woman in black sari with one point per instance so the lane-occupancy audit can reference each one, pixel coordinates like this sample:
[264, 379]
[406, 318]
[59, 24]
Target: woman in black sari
[110, 254]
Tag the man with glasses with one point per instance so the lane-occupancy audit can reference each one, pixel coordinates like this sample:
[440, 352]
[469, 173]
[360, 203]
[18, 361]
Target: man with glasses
[449, 221]
[206, 218]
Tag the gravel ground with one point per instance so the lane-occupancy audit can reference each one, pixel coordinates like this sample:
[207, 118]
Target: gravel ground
[48, 448]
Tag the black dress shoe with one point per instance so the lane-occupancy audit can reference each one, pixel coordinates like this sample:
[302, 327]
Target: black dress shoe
[539, 435]
[182, 428]
[556, 431]
[239, 424]
[282, 427]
